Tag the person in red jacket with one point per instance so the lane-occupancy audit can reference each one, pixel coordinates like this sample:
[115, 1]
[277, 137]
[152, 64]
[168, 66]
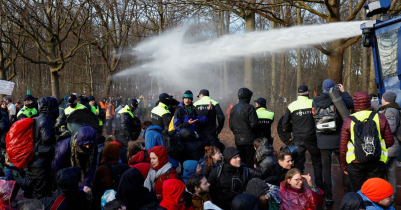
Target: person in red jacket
[360, 172]
[173, 198]
[160, 170]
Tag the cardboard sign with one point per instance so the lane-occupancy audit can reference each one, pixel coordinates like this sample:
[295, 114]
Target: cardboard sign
[6, 87]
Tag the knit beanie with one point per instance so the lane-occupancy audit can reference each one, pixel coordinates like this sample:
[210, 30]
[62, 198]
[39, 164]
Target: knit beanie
[257, 187]
[389, 96]
[188, 94]
[229, 153]
[162, 155]
[376, 189]
[327, 84]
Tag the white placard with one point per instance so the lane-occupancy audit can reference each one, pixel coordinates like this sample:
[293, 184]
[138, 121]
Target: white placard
[6, 87]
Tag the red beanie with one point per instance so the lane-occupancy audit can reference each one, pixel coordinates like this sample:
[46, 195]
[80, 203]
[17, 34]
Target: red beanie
[376, 189]
[162, 155]
[143, 168]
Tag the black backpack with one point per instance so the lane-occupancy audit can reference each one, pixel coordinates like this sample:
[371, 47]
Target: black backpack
[366, 143]
[173, 146]
[325, 119]
[117, 171]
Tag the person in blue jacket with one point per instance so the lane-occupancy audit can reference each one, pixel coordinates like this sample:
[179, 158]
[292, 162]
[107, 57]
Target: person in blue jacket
[79, 150]
[185, 116]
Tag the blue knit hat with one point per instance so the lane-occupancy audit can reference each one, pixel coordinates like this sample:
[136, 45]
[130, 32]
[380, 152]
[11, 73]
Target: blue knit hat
[327, 84]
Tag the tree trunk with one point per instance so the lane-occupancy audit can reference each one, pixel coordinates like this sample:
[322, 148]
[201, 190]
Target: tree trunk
[372, 77]
[54, 83]
[299, 56]
[348, 74]
[3, 75]
[365, 64]
[107, 84]
[249, 61]
[282, 73]
[336, 62]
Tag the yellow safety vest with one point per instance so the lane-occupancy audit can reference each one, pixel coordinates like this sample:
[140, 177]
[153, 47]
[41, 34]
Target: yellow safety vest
[126, 109]
[362, 115]
[28, 112]
[69, 109]
[302, 102]
[264, 114]
[94, 110]
[205, 101]
[160, 110]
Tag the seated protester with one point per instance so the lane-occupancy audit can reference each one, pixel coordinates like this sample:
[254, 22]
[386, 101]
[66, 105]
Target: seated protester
[230, 179]
[11, 172]
[377, 194]
[190, 167]
[67, 196]
[81, 152]
[4, 123]
[277, 174]
[352, 201]
[193, 147]
[260, 189]
[160, 171]
[143, 168]
[132, 192]
[185, 116]
[245, 202]
[115, 205]
[264, 157]
[101, 143]
[31, 204]
[133, 148]
[198, 187]
[10, 194]
[295, 196]
[173, 191]
[104, 178]
[140, 157]
[123, 151]
[211, 160]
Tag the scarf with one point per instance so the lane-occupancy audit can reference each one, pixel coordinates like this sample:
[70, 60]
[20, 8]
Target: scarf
[78, 153]
[189, 109]
[153, 175]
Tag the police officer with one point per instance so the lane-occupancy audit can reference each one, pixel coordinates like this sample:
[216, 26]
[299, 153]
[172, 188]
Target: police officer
[128, 127]
[265, 122]
[29, 110]
[210, 129]
[299, 117]
[97, 110]
[243, 123]
[161, 115]
[72, 106]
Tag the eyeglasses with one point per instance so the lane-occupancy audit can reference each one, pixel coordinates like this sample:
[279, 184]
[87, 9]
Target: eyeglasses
[298, 180]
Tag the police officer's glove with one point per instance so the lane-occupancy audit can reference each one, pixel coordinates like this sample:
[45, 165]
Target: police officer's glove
[218, 130]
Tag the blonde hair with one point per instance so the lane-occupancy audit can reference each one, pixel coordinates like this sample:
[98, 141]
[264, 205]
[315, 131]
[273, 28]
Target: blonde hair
[291, 173]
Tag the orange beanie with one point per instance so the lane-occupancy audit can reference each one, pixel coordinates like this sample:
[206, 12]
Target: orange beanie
[377, 189]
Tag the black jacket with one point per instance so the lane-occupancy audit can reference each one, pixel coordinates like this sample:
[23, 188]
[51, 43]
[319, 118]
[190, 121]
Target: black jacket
[127, 128]
[264, 125]
[210, 127]
[331, 140]
[245, 202]
[275, 175]
[194, 148]
[244, 120]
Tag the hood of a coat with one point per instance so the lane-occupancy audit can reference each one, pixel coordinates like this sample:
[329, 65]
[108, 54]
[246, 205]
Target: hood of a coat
[68, 180]
[172, 191]
[322, 100]
[86, 135]
[245, 201]
[151, 127]
[264, 150]
[229, 153]
[131, 184]
[189, 168]
[244, 94]
[110, 154]
[49, 106]
[361, 101]
[351, 201]
[162, 155]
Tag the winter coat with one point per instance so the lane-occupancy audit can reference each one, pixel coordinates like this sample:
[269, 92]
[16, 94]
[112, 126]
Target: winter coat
[244, 120]
[189, 169]
[198, 202]
[127, 127]
[331, 140]
[275, 175]
[172, 192]
[142, 156]
[6, 190]
[4, 122]
[209, 127]
[392, 113]
[132, 192]
[264, 156]
[362, 103]
[245, 202]
[182, 116]
[372, 206]
[103, 177]
[194, 148]
[153, 137]
[62, 157]
[352, 201]
[293, 199]
[44, 137]
[67, 182]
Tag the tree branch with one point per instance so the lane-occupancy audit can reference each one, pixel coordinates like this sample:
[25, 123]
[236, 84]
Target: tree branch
[321, 49]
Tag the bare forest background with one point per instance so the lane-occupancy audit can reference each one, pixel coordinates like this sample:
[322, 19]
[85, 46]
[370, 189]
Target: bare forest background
[56, 47]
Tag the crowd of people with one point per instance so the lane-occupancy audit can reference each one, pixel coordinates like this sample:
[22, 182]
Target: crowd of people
[54, 154]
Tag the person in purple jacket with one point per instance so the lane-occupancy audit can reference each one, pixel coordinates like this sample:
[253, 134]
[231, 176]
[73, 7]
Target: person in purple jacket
[81, 151]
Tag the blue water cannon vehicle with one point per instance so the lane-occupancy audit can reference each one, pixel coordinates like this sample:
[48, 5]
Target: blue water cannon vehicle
[384, 36]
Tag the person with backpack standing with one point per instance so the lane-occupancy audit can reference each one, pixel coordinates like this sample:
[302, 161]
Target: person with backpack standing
[298, 118]
[128, 126]
[391, 110]
[328, 141]
[365, 137]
